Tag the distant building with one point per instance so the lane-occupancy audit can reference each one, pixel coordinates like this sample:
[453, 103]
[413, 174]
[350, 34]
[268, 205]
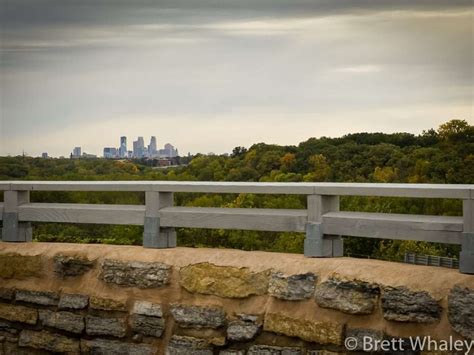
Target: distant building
[110, 153]
[44, 155]
[88, 156]
[139, 148]
[76, 152]
[169, 151]
[123, 147]
[152, 152]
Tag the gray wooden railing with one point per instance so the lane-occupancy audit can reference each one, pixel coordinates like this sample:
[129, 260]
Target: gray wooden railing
[322, 221]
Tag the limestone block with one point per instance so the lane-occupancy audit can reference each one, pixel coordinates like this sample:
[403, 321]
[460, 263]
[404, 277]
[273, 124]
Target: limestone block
[191, 316]
[48, 341]
[223, 281]
[273, 350]
[69, 265]
[116, 327]
[461, 311]
[68, 321]
[184, 345]
[245, 328]
[16, 266]
[402, 305]
[73, 301]
[107, 304]
[353, 297]
[310, 330]
[146, 325]
[146, 308]
[106, 347]
[44, 298]
[135, 273]
[20, 314]
[293, 287]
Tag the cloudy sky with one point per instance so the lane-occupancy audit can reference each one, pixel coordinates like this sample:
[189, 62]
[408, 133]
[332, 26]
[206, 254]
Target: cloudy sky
[214, 74]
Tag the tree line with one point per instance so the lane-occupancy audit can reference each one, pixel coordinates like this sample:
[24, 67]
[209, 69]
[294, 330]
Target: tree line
[442, 155]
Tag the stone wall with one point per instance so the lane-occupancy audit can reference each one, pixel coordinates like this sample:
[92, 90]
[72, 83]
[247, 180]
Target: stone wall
[99, 299]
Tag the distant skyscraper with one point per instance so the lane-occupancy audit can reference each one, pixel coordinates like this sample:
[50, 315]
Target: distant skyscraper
[110, 153]
[76, 152]
[139, 148]
[152, 147]
[44, 155]
[123, 147]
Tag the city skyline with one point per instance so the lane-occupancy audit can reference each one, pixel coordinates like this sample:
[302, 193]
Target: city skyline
[215, 75]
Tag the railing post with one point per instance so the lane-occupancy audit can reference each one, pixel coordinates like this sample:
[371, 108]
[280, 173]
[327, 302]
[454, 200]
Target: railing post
[466, 257]
[155, 236]
[317, 244]
[13, 230]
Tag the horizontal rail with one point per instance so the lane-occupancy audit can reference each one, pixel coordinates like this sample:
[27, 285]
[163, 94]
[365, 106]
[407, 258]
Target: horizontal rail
[276, 220]
[82, 213]
[438, 229]
[335, 189]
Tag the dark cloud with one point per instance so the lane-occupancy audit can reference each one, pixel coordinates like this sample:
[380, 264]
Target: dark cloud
[328, 67]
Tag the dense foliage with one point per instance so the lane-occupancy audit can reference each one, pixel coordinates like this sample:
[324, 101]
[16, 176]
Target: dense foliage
[445, 155]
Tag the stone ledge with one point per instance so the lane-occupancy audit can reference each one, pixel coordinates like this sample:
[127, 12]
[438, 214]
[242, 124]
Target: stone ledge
[225, 300]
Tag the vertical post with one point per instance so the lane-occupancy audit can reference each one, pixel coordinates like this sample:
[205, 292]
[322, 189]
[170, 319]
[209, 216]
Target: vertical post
[13, 230]
[466, 257]
[316, 243]
[155, 236]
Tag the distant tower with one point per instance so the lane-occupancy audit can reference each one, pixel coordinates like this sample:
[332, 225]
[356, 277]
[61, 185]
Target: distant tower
[152, 147]
[123, 147]
[139, 148]
[76, 152]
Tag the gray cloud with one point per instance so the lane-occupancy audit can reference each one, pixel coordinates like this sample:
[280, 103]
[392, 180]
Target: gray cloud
[178, 67]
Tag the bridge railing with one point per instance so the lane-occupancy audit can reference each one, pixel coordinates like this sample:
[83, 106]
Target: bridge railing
[322, 221]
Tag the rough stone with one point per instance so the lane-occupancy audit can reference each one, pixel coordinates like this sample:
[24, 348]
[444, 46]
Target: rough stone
[359, 334]
[146, 325]
[7, 332]
[135, 273]
[12, 348]
[116, 327]
[48, 341]
[293, 287]
[107, 304]
[146, 308]
[20, 314]
[232, 352]
[62, 320]
[273, 350]
[314, 331]
[69, 265]
[16, 266]
[184, 345]
[353, 297]
[223, 281]
[7, 294]
[73, 301]
[402, 305]
[190, 316]
[243, 329]
[44, 298]
[106, 347]
[461, 311]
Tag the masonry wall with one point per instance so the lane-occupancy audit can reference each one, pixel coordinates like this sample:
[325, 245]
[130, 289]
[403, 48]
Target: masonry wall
[101, 299]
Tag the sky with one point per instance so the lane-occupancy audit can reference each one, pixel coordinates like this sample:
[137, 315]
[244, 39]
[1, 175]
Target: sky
[210, 75]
